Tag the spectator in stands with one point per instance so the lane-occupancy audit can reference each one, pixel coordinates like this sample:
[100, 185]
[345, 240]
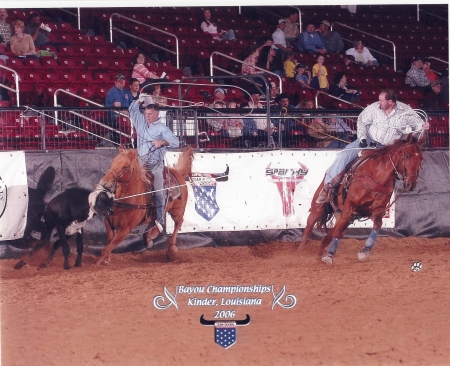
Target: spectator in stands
[285, 125]
[309, 41]
[39, 32]
[141, 73]
[279, 39]
[361, 54]
[5, 28]
[22, 44]
[291, 31]
[342, 90]
[209, 27]
[274, 92]
[120, 98]
[303, 76]
[160, 100]
[134, 88]
[332, 40]
[289, 64]
[427, 69]
[219, 97]
[235, 126]
[432, 99]
[320, 75]
[263, 130]
[331, 133]
[248, 67]
[416, 77]
[266, 59]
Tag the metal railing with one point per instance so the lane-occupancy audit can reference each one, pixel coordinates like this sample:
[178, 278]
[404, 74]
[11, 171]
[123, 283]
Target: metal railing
[319, 92]
[16, 77]
[212, 67]
[119, 30]
[76, 15]
[394, 49]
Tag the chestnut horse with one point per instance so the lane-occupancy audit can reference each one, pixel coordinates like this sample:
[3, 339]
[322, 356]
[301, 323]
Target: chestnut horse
[127, 178]
[365, 192]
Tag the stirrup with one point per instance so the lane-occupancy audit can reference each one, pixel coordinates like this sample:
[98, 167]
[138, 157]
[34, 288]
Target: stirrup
[323, 196]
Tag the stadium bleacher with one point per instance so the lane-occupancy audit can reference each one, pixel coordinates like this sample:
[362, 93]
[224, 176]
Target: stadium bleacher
[87, 66]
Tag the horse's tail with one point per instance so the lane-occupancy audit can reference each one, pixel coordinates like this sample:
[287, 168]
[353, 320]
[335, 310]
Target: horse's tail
[184, 164]
[327, 215]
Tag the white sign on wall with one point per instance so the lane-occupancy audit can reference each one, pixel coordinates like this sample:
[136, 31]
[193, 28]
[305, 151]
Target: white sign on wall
[13, 195]
[255, 190]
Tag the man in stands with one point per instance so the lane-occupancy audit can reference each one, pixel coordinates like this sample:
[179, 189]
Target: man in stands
[309, 41]
[416, 77]
[291, 31]
[5, 28]
[219, 98]
[432, 99]
[34, 29]
[279, 39]
[117, 97]
[332, 40]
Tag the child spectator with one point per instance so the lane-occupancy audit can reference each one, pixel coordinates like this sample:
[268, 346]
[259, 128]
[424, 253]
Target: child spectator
[320, 75]
[289, 64]
[303, 76]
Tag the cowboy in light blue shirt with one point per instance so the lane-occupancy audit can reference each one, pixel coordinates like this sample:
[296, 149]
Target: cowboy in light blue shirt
[309, 41]
[153, 140]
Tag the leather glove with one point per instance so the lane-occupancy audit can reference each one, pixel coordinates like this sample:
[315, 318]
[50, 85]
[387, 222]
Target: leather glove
[363, 143]
[142, 97]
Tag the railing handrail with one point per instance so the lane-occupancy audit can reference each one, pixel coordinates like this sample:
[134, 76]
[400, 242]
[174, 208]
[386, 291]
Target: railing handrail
[77, 15]
[374, 36]
[333, 97]
[241, 62]
[176, 52]
[16, 78]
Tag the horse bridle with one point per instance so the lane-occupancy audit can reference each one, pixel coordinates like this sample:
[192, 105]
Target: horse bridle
[399, 175]
[117, 180]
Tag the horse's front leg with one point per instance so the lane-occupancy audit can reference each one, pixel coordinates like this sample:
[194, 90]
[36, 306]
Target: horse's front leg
[114, 242]
[365, 251]
[316, 212]
[171, 246]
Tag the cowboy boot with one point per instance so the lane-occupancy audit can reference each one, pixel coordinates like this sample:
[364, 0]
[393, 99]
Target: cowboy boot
[324, 195]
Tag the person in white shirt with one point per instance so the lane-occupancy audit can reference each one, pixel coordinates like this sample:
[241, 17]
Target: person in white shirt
[361, 54]
[209, 27]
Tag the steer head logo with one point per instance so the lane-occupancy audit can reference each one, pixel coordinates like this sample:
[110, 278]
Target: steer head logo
[204, 187]
[286, 180]
[225, 331]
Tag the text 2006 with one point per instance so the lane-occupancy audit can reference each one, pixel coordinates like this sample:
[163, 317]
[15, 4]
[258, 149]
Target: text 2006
[223, 314]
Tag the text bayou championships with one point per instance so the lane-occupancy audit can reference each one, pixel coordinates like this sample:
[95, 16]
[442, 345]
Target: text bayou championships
[229, 297]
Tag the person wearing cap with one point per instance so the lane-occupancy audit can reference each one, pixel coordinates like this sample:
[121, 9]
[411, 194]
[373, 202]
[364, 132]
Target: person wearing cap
[416, 77]
[279, 39]
[291, 31]
[219, 97]
[117, 97]
[153, 140]
[361, 54]
[379, 124]
[332, 40]
[309, 41]
[303, 76]
[432, 99]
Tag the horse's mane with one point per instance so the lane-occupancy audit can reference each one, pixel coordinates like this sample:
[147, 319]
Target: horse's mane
[132, 155]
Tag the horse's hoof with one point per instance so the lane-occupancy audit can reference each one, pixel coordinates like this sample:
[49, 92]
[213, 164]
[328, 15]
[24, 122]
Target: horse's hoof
[327, 258]
[20, 264]
[149, 244]
[364, 253]
[66, 267]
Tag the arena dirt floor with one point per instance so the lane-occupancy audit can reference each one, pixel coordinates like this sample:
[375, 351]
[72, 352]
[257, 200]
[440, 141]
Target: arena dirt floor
[378, 312]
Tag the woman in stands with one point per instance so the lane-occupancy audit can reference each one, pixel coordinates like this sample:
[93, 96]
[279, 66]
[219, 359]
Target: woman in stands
[141, 73]
[362, 54]
[342, 90]
[209, 27]
[266, 59]
[22, 44]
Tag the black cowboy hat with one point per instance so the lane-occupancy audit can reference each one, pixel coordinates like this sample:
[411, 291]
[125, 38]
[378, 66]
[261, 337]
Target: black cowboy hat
[281, 96]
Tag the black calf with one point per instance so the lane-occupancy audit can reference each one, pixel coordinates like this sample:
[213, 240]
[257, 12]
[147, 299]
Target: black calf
[68, 213]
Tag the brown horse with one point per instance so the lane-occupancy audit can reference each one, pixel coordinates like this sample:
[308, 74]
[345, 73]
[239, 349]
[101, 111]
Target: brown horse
[127, 178]
[365, 192]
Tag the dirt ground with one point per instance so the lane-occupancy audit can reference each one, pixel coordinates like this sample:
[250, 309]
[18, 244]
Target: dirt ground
[378, 312]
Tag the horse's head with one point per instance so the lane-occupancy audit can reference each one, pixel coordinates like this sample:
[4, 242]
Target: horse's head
[123, 167]
[407, 161]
